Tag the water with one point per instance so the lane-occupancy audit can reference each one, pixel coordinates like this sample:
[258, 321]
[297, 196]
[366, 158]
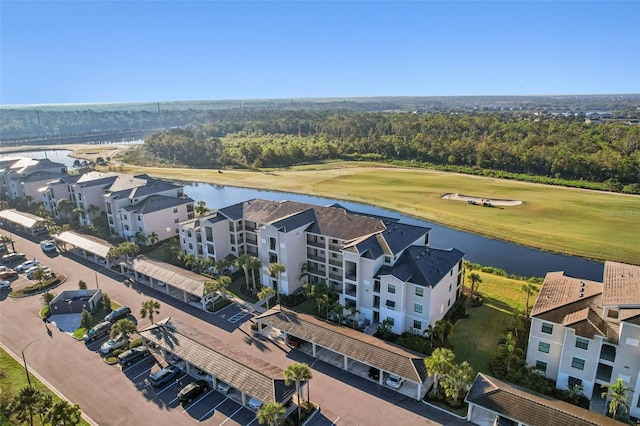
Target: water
[513, 258]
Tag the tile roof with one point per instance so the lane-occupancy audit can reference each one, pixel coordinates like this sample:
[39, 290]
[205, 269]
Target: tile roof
[422, 265]
[621, 284]
[529, 407]
[238, 369]
[170, 274]
[356, 345]
[155, 203]
[559, 290]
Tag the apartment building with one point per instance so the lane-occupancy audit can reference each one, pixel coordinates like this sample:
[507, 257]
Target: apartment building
[22, 178]
[383, 268]
[588, 332]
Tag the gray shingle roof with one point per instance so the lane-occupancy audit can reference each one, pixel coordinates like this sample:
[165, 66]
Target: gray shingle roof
[529, 407]
[423, 265]
[155, 203]
[356, 345]
[96, 179]
[238, 369]
[40, 176]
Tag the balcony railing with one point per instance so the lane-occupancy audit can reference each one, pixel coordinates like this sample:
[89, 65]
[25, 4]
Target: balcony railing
[604, 373]
[315, 243]
[252, 241]
[350, 291]
[335, 247]
[316, 258]
[337, 263]
[335, 276]
[350, 276]
[608, 353]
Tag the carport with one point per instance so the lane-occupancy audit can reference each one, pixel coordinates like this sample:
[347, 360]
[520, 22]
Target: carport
[24, 221]
[251, 376]
[91, 247]
[352, 345]
[170, 279]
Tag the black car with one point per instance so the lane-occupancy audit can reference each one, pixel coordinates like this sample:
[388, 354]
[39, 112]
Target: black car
[99, 330]
[120, 313]
[192, 390]
[129, 357]
[164, 376]
[374, 373]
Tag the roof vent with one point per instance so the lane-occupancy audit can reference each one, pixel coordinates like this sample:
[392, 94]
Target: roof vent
[582, 284]
[581, 294]
[581, 291]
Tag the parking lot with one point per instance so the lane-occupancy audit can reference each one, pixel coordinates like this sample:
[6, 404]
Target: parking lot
[211, 407]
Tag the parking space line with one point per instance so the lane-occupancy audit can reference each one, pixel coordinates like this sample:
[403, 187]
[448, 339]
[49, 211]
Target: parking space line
[144, 359]
[213, 409]
[198, 400]
[229, 418]
[334, 422]
[252, 421]
[179, 378]
[145, 372]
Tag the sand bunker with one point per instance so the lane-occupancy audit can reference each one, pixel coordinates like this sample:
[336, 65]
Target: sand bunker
[488, 202]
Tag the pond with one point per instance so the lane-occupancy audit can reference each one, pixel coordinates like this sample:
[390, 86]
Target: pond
[513, 258]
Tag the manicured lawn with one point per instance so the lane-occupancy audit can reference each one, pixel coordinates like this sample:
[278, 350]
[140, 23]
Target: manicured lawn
[235, 289]
[309, 306]
[565, 220]
[13, 378]
[503, 293]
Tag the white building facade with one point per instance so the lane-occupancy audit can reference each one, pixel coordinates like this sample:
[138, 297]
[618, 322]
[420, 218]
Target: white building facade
[379, 266]
[588, 333]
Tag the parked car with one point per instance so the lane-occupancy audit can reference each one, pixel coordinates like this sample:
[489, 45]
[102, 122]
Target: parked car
[117, 314]
[374, 373]
[394, 381]
[99, 330]
[31, 272]
[192, 390]
[112, 344]
[4, 284]
[7, 275]
[223, 388]
[255, 404]
[132, 355]
[48, 245]
[26, 265]
[164, 376]
[13, 257]
[294, 342]
[4, 268]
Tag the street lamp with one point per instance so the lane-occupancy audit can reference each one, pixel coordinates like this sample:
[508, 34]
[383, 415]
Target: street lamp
[25, 361]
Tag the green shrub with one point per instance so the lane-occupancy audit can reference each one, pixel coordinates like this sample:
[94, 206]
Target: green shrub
[117, 352]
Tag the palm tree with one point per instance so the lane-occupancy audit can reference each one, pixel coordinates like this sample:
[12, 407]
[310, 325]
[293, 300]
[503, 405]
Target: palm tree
[150, 308]
[212, 287]
[153, 238]
[201, 208]
[266, 293]
[128, 249]
[271, 413]
[438, 365]
[509, 350]
[529, 289]
[62, 413]
[253, 263]
[224, 282]
[353, 311]
[459, 378]
[476, 279]
[243, 262]
[123, 328]
[298, 372]
[65, 208]
[24, 402]
[618, 396]
[275, 270]
[190, 260]
[93, 210]
[442, 330]
[141, 239]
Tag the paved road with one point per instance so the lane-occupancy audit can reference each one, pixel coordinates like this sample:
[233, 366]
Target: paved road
[110, 397]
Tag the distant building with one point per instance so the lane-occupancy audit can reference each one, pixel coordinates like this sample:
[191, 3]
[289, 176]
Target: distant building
[22, 178]
[383, 268]
[587, 332]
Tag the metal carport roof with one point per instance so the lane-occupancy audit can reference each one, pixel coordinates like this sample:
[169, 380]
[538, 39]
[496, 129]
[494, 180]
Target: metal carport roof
[24, 219]
[170, 274]
[238, 369]
[85, 242]
[354, 344]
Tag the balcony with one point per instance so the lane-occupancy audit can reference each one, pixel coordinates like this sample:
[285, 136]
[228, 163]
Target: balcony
[351, 276]
[312, 243]
[351, 290]
[316, 258]
[252, 241]
[337, 263]
[335, 247]
[608, 353]
[334, 276]
[604, 373]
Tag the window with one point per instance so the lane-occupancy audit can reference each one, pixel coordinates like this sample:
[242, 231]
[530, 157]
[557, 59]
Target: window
[273, 258]
[582, 343]
[391, 288]
[419, 291]
[272, 243]
[450, 284]
[140, 228]
[573, 381]
[417, 308]
[176, 220]
[387, 259]
[391, 321]
[391, 304]
[541, 365]
[175, 210]
[140, 217]
[448, 302]
[190, 246]
[544, 347]
[417, 325]
[547, 328]
[577, 363]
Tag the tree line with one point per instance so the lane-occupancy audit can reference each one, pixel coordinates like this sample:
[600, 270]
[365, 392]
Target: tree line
[563, 149]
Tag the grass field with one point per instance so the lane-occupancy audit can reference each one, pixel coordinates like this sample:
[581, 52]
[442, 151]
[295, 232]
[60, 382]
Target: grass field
[13, 378]
[591, 224]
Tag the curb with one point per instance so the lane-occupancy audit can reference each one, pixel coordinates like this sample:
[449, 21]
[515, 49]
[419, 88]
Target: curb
[308, 419]
[60, 395]
[444, 410]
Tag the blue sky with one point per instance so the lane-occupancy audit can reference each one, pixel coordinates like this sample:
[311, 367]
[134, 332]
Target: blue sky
[94, 51]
